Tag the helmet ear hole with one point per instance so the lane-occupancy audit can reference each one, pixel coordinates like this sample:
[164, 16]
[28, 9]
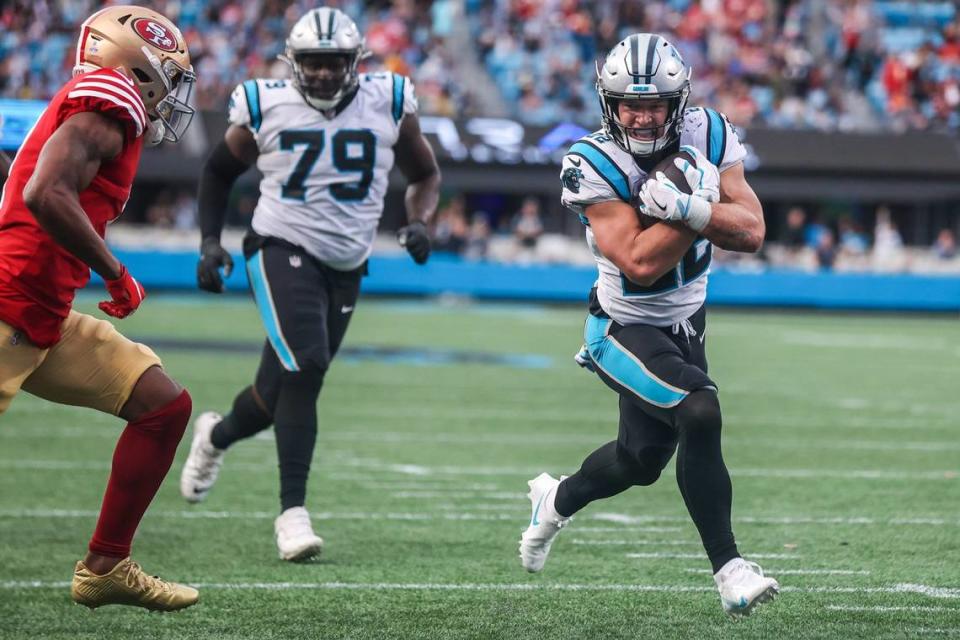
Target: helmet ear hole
[141, 74]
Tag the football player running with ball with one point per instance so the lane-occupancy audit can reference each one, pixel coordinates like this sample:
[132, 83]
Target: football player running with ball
[325, 142]
[646, 327]
[71, 177]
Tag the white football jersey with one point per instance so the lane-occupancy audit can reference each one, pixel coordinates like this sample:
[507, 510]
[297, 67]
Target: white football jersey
[596, 170]
[324, 180]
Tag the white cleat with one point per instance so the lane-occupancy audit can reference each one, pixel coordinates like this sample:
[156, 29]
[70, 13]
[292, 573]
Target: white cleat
[203, 464]
[743, 587]
[545, 523]
[296, 540]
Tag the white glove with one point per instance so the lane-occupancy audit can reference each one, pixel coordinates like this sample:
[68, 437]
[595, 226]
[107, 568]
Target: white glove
[660, 198]
[702, 175]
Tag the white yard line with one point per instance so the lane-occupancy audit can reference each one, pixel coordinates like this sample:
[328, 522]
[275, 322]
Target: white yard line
[866, 609]
[523, 586]
[701, 556]
[624, 519]
[798, 572]
[614, 543]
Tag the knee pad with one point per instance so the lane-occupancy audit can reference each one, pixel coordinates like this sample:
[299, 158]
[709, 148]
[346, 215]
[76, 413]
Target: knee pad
[699, 411]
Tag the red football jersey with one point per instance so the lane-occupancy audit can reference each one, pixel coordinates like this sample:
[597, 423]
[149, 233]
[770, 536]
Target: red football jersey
[38, 278]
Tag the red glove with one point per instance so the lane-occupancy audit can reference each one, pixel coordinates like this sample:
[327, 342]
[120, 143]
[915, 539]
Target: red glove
[127, 295]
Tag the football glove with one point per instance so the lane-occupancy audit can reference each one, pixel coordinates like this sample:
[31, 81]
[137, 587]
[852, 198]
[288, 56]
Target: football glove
[415, 240]
[212, 258]
[660, 198]
[126, 295]
[702, 175]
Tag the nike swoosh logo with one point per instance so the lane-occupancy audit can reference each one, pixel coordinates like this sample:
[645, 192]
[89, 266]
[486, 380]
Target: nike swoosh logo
[346, 308]
[575, 162]
[536, 512]
[660, 206]
[703, 336]
[197, 490]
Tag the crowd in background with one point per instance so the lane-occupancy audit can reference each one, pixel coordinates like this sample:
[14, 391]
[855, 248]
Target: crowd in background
[838, 64]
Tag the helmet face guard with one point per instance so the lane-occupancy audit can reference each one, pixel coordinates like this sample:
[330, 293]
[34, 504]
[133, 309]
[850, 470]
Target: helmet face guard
[174, 110]
[325, 32]
[643, 67]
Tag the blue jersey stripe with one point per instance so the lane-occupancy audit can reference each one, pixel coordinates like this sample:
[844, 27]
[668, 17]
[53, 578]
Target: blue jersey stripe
[253, 103]
[268, 313]
[716, 137]
[625, 369]
[398, 84]
[606, 167]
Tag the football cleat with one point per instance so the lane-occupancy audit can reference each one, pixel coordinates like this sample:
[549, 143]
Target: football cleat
[545, 523]
[127, 584]
[296, 540]
[202, 467]
[743, 587]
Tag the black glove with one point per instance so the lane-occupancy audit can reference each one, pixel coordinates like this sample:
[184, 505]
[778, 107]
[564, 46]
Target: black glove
[212, 257]
[415, 240]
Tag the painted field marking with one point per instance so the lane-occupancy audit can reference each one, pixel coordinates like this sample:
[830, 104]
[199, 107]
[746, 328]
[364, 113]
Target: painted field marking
[701, 556]
[622, 518]
[881, 609]
[799, 572]
[602, 543]
[523, 586]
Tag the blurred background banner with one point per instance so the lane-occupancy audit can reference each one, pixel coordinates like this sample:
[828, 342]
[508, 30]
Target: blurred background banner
[849, 110]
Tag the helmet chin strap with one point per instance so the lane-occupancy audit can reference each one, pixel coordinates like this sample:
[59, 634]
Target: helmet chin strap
[155, 133]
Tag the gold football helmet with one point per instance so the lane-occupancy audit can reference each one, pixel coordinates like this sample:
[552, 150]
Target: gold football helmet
[150, 50]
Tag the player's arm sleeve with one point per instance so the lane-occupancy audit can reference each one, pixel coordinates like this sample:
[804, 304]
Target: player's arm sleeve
[403, 98]
[588, 176]
[108, 94]
[243, 109]
[723, 146]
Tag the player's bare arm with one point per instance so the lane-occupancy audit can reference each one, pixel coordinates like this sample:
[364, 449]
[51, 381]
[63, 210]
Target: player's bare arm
[736, 222]
[67, 165]
[417, 163]
[236, 153]
[643, 255]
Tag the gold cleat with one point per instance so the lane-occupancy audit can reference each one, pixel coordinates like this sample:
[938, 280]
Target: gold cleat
[128, 584]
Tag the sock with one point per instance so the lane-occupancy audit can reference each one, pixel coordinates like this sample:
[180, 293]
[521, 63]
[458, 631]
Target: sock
[246, 419]
[141, 460]
[295, 425]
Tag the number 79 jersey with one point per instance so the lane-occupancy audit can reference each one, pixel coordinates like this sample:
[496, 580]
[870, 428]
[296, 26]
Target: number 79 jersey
[324, 179]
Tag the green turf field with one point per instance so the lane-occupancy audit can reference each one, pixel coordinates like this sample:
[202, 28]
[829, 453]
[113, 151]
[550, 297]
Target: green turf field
[841, 434]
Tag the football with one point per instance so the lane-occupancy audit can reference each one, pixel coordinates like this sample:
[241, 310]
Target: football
[669, 169]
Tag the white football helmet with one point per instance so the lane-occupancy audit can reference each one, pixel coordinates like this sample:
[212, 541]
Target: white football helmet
[325, 32]
[640, 67]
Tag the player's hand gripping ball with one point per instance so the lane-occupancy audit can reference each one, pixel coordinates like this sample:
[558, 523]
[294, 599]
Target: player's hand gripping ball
[681, 188]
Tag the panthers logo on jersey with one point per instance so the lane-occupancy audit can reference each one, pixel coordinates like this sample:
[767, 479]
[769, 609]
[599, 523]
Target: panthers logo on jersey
[596, 169]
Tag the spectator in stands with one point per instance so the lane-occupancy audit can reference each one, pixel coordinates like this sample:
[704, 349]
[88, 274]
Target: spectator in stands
[450, 230]
[826, 250]
[945, 246]
[478, 240]
[526, 224]
[888, 254]
[793, 236]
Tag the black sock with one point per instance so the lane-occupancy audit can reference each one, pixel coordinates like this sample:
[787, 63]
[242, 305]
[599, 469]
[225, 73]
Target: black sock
[703, 478]
[604, 473]
[246, 418]
[295, 425]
